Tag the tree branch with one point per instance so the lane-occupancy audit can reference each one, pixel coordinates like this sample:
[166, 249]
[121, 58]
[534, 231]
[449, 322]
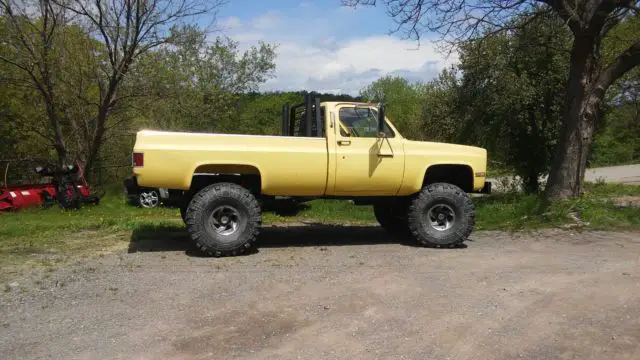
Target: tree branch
[626, 61]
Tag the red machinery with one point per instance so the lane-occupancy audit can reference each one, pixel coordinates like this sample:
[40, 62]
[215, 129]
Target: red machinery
[68, 187]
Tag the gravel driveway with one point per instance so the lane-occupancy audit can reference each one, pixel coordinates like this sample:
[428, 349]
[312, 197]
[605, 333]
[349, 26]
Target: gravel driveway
[319, 292]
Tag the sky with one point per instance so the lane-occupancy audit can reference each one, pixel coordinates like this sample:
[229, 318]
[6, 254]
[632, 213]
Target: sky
[326, 47]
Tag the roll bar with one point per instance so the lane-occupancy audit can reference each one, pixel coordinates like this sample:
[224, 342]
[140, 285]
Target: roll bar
[308, 112]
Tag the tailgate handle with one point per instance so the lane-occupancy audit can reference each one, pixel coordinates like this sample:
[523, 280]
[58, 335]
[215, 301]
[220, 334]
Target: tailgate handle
[344, 142]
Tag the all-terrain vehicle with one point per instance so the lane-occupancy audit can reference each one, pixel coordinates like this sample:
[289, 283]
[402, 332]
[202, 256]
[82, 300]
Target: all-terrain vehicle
[335, 150]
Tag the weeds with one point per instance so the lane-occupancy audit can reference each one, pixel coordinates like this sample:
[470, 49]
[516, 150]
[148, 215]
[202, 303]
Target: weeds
[595, 210]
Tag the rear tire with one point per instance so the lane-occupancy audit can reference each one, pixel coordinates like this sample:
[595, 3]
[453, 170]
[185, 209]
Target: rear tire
[223, 219]
[392, 217]
[442, 215]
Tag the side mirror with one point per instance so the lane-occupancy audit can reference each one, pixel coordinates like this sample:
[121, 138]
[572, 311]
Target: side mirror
[381, 121]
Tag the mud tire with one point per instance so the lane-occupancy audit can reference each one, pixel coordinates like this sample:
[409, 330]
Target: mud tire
[448, 196]
[392, 217]
[201, 211]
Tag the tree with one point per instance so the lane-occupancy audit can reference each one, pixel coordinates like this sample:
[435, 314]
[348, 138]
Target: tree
[28, 46]
[125, 29]
[511, 95]
[195, 85]
[403, 102]
[440, 103]
[589, 75]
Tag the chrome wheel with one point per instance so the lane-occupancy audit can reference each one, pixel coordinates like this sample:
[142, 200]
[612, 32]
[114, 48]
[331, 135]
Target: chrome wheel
[441, 217]
[225, 219]
[149, 199]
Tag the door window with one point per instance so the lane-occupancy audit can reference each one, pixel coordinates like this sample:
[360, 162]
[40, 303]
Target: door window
[361, 122]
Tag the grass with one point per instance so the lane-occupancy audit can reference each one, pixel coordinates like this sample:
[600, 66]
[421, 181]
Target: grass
[600, 189]
[43, 236]
[518, 212]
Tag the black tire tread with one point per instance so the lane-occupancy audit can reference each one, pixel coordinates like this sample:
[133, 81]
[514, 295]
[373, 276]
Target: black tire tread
[222, 190]
[441, 190]
[384, 214]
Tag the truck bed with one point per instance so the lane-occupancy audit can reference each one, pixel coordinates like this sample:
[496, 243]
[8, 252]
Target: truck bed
[172, 158]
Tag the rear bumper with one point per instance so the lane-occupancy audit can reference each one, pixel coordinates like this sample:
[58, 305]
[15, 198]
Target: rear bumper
[132, 190]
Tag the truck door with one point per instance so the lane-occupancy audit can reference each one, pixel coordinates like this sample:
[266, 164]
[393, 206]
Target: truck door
[365, 163]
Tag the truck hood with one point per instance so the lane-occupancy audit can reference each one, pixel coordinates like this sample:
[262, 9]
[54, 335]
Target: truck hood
[432, 146]
[445, 153]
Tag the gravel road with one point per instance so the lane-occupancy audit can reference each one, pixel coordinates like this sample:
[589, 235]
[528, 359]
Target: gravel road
[320, 292]
[624, 174]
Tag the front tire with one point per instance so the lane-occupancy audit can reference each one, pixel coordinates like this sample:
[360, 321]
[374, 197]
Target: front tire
[442, 215]
[223, 219]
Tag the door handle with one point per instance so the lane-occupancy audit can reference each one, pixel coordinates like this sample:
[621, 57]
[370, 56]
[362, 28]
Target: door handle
[344, 142]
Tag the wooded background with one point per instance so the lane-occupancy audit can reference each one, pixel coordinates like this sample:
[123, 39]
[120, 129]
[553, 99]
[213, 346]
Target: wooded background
[80, 77]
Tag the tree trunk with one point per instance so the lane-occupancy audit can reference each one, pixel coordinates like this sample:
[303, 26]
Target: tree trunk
[567, 172]
[531, 183]
[98, 135]
[581, 112]
[58, 140]
[96, 144]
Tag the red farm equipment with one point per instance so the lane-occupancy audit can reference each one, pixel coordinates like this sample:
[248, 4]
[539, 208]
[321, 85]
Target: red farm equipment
[65, 186]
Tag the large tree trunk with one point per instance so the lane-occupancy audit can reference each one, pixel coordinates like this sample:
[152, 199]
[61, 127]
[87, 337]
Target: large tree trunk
[568, 169]
[581, 112]
[585, 93]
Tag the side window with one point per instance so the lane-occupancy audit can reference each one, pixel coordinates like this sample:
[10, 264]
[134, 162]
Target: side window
[361, 122]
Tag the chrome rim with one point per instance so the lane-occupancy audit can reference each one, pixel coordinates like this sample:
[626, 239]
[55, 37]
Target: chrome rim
[225, 219]
[149, 199]
[441, 217]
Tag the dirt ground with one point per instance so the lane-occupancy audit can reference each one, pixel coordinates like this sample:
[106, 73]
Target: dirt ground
[321, 292]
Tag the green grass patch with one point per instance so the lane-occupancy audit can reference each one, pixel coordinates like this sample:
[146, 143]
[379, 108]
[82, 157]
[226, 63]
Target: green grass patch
[596, 209]
[600, 189]
[112, 213]
[517, 212]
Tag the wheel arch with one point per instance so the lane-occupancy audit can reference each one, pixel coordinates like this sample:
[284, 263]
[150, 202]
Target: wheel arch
[247, 175]
[458, 174]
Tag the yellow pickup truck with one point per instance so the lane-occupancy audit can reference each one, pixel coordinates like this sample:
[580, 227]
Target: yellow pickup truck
[336, 150]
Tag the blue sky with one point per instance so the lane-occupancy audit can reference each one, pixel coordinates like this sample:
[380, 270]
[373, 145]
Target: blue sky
[324, 46]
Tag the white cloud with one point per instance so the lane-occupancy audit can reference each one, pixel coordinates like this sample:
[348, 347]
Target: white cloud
[267, 21]
[229, 23]
[314, 60]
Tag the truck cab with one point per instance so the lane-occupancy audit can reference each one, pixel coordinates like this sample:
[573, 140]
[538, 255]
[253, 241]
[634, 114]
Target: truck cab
[368, 156]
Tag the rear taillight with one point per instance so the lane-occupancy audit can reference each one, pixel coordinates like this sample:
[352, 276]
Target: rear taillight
[138, 159]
